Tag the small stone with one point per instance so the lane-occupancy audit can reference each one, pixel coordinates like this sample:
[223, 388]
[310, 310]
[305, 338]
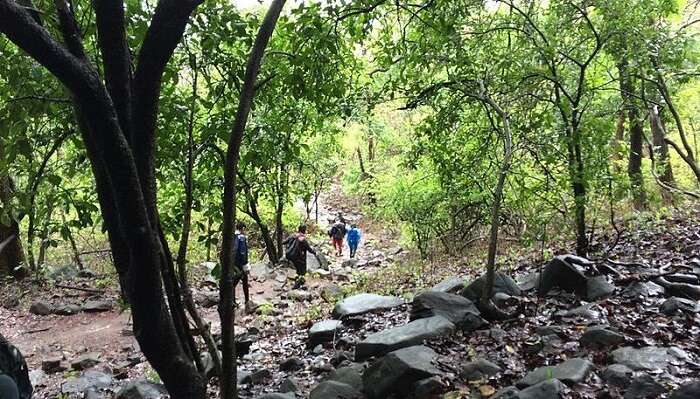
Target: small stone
[561, 272]
[334, 390]
[41, 308]
[674, 305]
[53, 365]
[364, 303]
[350, 375]
[289, 384]
[403, 336]
[451, 285]
[142, 389]
[257, 377]
[37, 377]
[646, 358]
[549, 389]
[300, 295]
[324, 331]
[67, 309]
[97, 306]
[687, 391]
[277, 395]
[427, 388]
[502, 283]
[479, 369]
[618, 375]
[332, 293]
[85, 361]
[598, 287]
[600, 337]
[644, 387]
[292, 364]
[571, 371]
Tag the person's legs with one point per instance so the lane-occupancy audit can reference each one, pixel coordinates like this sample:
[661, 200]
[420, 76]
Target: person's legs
[8, 388]
[353, 248]
[337, 245]
[301, 271]
[246, 288]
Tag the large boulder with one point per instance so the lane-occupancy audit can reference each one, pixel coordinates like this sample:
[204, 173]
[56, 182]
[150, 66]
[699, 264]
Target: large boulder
[334, 390]
[562, 272]
[397, 372]
[502, 283]
[451, 285]
[687, 391]
[364, 303]
[142, 389]
[571, 371]
[409, 334]
[323, 331]
[646, 358]
[457, 309]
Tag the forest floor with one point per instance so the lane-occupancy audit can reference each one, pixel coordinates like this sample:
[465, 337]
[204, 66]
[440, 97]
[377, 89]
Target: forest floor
[544, 331]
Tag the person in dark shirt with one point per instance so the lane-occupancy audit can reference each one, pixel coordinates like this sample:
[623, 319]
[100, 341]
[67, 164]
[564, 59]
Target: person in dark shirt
[14, 375]
[241, 254]
[296, 248]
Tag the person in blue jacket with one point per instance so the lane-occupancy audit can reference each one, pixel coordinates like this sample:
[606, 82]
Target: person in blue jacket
[241, 254]
[353, 237]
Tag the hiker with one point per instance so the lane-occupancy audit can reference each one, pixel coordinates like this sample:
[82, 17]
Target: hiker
[241, 248]
[341, 219]
[337, 234]
[354, 236]
[296, 248]
[14, 375]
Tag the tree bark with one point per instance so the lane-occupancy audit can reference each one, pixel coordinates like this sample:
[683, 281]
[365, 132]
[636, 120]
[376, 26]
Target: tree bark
[229, 388]
[634, 165]
[12, 261]
[663, 162]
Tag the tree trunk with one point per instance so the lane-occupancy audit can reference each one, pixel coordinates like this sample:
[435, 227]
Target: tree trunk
[634, 165]
[272, 251]
[229, 388]
[617, 141]
[12, 261]
[663, 163]
[73, 245]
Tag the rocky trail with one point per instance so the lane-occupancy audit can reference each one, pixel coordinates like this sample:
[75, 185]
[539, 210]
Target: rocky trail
[624, 325]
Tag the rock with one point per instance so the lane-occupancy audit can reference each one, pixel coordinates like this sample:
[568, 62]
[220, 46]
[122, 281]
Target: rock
[95, 306]
[332, 293]
[562, 273]
[323, 331]
[479, 369]
[142, 389]
[260, 270]
[350, 375]
[86, 361]
[90, 379]
[644, 289]
[647, 358]
[502, 283]
[502, 299]
[207, 298]
[62, 273]
[600, 337]
[589, 311]
[571, 371]
[340, 357]
[317, 350]
[87, 273]
[52, 364]
[208, 362]
[507, 393]
[683, 278]
[457, 309]
[598, 287]
[364, 303]
[292, 364]
[682, 290]
[687, 391]
[37, 377]
[276, 395]
[289, 384]
[349, 263]
[451, 285]
[321, 365]
[409, 334]
[427, 388]
[67, 309]
[644, 387]
[334, 390]
[397, 371]
[300, 295]
[550, 330]
[618, 375]
[674, 305]
[10, 302]
[41, 308]
[549, 389]
[529, 282]
[257, 377]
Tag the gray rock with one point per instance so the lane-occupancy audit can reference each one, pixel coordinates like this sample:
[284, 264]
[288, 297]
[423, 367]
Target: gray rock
[142, 389]
[208, 362]
[598, 287]
[687, 391]
[571, 371]
[62, 273]
[364, 303]
[37, 377]
[207, 298]
[289, 384]
[681, 290]
[53, 364]
[410, 334]
[502, 283]
[457, 309]
[601, 336]
[529, 282]
[451, 285]
[644, 289]
[683, 278]
[644, 387]
[97, 306]
[300, 295]
[397, 372]
[323, 331]
[332, 293]
[618, 375]
[350, 375]
[588, 311]
[257, 377]
[549, 389]
[674, 305]
[560, 272]
[89, 379]
[85, 361]
[67, 309]
[647, 358]
[292, 364]
[427, 388]
[41, 308]
[549, 330]
[314, 264]
[277, 395]
[507, 393]
[334, 390]
[479, 369]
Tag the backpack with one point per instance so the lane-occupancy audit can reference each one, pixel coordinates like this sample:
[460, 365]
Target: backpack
[293, 249]
[338, 232]
[13, 365]
[241, 250]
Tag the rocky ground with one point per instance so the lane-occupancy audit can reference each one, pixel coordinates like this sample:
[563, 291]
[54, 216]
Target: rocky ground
[624, 324]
